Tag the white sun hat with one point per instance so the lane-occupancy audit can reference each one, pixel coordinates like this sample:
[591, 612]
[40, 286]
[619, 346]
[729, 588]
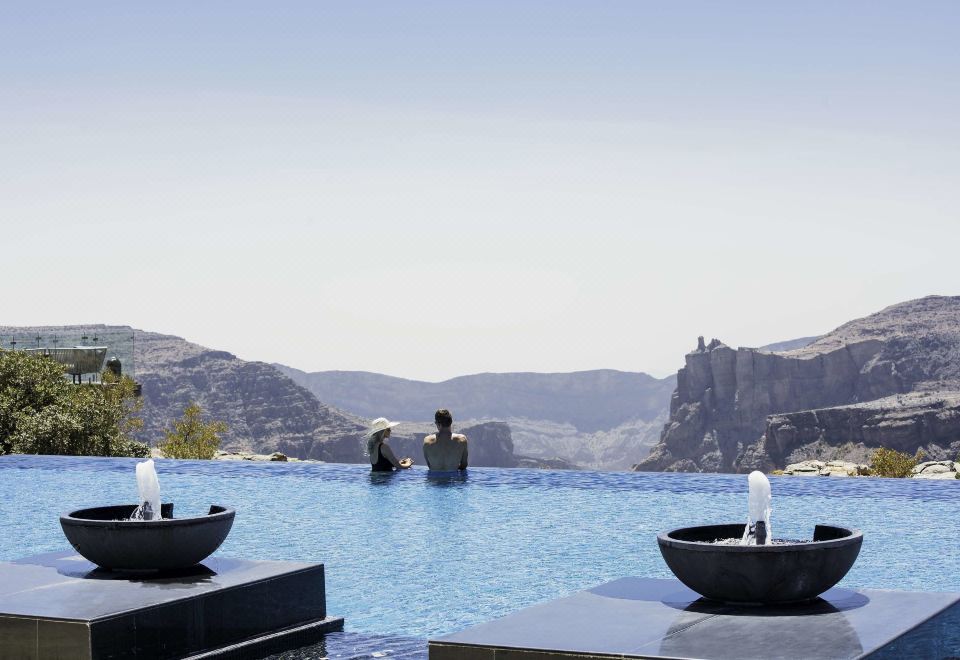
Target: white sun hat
[381, 424]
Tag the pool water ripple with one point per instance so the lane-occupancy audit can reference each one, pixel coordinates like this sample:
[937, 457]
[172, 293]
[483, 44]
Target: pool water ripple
[413, 556]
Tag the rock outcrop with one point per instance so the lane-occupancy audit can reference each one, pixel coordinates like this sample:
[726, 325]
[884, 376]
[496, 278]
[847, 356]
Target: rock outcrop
[724, 396]
[247, 456]
[745, 409]
[935, 470]
[813, 468]
[904, 422]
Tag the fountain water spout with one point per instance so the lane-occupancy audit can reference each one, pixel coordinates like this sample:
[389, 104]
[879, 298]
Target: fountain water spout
[758, 530]
[149, 487]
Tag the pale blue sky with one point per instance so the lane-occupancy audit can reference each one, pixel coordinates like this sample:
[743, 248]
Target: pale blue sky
[433, 189]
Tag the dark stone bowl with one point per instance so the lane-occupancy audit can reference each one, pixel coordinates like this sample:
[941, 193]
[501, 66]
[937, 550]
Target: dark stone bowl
[752, 574]
[107, 537]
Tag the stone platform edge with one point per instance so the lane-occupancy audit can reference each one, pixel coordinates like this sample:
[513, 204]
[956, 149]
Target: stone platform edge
[661, 618]
[277, 642]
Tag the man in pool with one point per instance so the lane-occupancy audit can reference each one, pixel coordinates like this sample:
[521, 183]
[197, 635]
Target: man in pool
[445, 451]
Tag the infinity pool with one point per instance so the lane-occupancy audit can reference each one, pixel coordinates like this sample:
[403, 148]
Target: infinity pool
[414, 557]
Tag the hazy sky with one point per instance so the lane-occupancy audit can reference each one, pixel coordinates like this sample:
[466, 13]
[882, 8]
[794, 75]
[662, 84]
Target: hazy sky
[434, 189]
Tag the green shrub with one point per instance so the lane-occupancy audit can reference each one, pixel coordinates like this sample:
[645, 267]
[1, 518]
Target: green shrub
[892, 463]
[133, 449]
[42, 413]
[191, 437]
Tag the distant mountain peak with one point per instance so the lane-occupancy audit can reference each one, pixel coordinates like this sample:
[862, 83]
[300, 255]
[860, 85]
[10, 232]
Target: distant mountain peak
[594, 400]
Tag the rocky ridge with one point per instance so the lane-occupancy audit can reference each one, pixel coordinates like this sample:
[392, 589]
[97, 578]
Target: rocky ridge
[890, 379]
[264, 411]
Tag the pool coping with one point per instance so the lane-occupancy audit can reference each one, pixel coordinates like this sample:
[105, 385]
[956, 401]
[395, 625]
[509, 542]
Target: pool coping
[659, 618]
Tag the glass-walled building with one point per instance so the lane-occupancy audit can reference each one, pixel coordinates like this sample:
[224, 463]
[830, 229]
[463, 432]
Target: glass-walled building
[84, 351]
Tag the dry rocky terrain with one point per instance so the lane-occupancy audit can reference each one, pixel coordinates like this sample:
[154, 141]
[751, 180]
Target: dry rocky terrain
[891, 379]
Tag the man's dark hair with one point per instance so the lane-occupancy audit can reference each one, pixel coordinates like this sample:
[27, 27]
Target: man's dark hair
[443, 418]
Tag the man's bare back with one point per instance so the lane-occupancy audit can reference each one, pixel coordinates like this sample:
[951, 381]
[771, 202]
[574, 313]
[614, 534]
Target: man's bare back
[445, 451]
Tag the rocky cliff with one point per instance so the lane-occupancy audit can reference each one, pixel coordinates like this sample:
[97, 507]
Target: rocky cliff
[265, 411]
[721, 413]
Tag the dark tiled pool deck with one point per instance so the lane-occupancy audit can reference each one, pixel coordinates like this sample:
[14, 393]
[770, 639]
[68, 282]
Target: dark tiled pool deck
[650, 618]
[59, 605]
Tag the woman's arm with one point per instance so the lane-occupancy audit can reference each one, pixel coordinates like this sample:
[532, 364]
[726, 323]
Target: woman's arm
[463, 456]
[387, 453]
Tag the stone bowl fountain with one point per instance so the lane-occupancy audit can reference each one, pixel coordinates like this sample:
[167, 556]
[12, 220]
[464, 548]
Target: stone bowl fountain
[781, 572]
[744, 564]
[110, 538]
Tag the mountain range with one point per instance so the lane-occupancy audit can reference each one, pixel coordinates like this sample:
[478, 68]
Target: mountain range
[889, 379]
[267, 411]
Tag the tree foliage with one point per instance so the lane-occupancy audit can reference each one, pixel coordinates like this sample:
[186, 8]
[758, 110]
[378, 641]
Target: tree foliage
[42, 413]
[892, 463]
[191, 437]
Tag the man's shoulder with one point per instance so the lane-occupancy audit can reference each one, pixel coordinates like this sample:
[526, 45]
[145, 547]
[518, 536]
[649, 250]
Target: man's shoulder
[430, 439]
[459, 437]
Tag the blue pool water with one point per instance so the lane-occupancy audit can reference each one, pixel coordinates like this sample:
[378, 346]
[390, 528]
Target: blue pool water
[416, 557]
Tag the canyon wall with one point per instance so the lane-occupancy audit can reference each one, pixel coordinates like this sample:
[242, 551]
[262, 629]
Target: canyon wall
[745, 409]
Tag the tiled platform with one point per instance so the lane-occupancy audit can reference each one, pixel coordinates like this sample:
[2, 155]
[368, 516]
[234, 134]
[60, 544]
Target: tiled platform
[647, 618]
[61, 606]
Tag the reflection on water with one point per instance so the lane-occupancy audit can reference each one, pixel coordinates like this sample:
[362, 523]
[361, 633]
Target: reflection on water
[75, 566]
[181, 578]
[378, 478]
[430, 478]
[834, 600]
[447, 479]
[352, 646]
[818, 627]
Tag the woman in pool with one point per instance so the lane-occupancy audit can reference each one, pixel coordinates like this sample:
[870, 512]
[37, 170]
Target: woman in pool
[382, 458]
